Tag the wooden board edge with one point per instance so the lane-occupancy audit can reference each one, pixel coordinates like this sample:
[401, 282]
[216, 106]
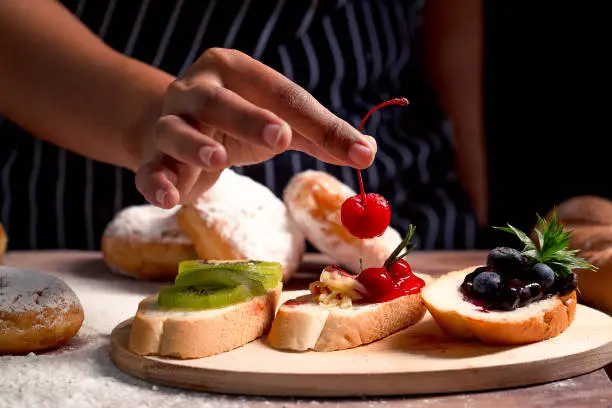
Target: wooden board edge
[345, 385]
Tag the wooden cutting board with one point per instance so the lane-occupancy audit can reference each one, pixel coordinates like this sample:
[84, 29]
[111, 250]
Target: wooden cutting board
[418, 360]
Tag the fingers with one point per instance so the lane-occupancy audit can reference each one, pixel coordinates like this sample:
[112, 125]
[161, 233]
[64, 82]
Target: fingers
[166, 182]
[176, 138]
[270, 90]
[156, 184]
[300, 143]
[203, 99]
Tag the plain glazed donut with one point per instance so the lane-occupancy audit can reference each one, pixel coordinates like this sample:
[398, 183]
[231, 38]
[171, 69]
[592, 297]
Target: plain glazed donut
[37, 311]
[589, 218]
[3, 241]
[145, 242]
[314, 200]
[239, 218]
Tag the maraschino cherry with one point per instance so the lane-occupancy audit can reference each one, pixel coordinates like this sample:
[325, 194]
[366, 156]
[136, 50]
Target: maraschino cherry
[395, 278]
[368, 215]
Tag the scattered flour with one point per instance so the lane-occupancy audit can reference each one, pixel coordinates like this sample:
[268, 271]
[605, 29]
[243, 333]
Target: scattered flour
[81, 374]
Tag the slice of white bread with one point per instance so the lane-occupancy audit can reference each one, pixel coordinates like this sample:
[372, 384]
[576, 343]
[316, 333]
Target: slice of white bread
[537, 321]
[200, 333]
[302, 324]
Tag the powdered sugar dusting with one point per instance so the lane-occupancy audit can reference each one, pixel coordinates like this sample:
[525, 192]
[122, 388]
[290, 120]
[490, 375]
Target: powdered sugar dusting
[148, 222]
[255, 221]
[24, 290]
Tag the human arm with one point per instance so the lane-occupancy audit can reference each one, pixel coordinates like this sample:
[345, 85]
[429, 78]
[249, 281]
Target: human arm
[63, 84]
[454, 59]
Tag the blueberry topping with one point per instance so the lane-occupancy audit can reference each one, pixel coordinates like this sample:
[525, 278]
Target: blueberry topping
[542, 274]
[506, 260]
[487, 284]
[565, 285]
[467, 284]
[496, 290]
[530, 293]
[508, 299]
[470, 276]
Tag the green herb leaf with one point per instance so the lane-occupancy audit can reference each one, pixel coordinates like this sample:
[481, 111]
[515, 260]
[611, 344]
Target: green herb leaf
[405, 245]
[552, 248]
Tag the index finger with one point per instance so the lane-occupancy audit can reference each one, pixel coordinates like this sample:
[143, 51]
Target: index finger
[267, 88]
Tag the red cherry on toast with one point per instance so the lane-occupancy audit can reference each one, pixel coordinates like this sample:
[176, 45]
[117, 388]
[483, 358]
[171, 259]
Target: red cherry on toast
[377, 282]
[399, 269]
[366, 215]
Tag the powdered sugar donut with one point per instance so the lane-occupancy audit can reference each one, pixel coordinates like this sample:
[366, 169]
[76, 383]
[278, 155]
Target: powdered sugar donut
[314, 200]
[146, 242]
[37, 311]
[239, 218]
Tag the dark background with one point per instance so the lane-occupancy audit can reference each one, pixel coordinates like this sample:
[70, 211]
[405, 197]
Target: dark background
[547, 107]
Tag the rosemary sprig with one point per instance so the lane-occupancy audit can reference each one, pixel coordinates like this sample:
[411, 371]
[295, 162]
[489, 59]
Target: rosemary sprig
[405, 245]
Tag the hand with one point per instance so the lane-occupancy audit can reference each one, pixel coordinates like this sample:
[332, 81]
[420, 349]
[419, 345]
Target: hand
[229, 109]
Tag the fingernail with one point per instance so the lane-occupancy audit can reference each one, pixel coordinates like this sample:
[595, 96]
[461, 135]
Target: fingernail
[160, 196]
[172, 178]
[272, 134]
[360, 155]
[372, 142]
[206, 154]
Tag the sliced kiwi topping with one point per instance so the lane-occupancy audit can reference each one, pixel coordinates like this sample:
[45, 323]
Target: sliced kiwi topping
[206, 297]
[215, 284]
[207, 273]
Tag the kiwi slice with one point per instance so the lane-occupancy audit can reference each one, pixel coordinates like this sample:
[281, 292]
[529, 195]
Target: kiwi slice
[206, 297]
[224, 273]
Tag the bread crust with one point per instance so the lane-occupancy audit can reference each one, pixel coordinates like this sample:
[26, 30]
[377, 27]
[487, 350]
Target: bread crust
[544, 319]
[314, 200]
[309, 326]
[188, 334]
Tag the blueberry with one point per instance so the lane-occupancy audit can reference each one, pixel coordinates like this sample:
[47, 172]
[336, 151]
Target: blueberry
[515, 283]
[467, 285]
[529, 293]
[487, 284]
[467, 288]
[506, 260]
[566, 284]
[508, 299]
[542, 274]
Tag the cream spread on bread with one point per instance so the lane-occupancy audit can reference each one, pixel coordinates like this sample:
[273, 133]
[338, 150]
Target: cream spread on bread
[335, 287]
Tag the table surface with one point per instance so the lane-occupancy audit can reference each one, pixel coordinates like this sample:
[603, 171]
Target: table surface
[80, 374]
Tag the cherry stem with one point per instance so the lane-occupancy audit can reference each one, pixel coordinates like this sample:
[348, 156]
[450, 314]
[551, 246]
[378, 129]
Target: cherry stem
[394, 101]
[405, 242]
